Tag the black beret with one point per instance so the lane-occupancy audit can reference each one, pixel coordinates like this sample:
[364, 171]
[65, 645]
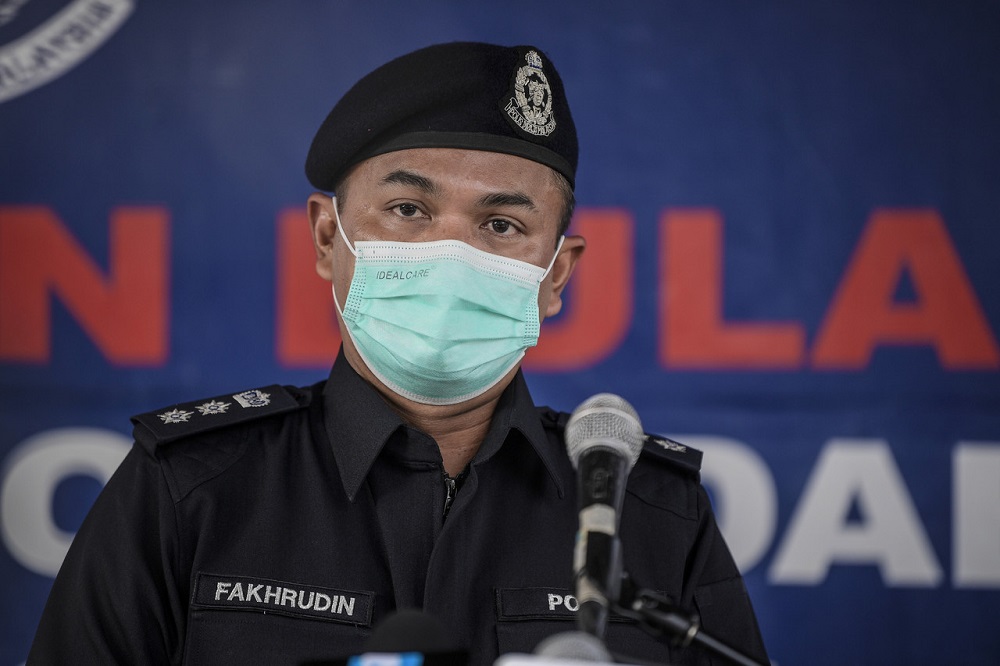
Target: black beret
[458, 95]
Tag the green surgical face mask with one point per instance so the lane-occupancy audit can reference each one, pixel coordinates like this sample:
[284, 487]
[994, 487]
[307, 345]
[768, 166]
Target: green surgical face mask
[440, 322]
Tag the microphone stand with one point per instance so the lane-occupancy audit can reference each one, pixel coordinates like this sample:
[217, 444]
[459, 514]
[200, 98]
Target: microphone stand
[661, 618]
[598, 583]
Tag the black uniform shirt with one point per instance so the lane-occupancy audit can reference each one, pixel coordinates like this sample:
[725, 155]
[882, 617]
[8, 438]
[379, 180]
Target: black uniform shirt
[280, 525]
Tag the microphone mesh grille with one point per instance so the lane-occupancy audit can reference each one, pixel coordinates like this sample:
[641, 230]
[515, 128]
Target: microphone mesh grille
[575, 645]
[604, 417]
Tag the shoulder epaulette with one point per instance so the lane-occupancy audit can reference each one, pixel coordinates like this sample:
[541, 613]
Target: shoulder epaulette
[175, 422]
[676, 453]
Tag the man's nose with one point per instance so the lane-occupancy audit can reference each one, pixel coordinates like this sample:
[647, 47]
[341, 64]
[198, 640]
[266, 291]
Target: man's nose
[453, 226]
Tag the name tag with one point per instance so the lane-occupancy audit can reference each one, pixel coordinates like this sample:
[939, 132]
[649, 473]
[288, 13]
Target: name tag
[274, 596]
[541, 603]
[536, 603]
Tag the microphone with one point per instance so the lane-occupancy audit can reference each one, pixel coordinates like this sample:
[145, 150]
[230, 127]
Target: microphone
[603, 439]
[570, 648]
[574, 645]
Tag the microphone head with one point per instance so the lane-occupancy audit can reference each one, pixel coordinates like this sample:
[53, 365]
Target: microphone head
[604, 420]
[575, 645]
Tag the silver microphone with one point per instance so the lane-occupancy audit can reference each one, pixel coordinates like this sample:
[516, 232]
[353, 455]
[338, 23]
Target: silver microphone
[603, 439]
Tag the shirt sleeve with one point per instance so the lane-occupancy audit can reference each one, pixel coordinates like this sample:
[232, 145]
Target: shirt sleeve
[719, 594]
[116, 599]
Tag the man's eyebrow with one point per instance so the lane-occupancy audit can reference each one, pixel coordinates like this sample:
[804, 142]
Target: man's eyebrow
[497, 199]
[409, 178]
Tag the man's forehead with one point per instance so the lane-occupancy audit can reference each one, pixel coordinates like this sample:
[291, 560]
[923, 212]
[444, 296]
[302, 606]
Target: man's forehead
[436, 169]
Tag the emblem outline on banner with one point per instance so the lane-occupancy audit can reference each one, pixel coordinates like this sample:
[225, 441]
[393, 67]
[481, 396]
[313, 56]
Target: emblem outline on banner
[59, 44]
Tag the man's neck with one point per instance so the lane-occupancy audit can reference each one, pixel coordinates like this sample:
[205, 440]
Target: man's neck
[459, 430]
[458, 435]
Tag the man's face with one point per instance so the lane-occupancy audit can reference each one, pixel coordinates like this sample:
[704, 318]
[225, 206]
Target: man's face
[498, 203]
[495, 202]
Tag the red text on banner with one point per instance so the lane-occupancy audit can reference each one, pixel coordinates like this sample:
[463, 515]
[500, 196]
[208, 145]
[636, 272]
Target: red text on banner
[125, 311]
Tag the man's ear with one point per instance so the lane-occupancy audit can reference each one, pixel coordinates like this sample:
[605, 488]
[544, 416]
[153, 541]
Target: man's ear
[570, 253]
[323, 224]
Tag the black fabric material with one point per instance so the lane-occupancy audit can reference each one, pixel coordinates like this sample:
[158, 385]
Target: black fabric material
[444, 96]
[340, 498]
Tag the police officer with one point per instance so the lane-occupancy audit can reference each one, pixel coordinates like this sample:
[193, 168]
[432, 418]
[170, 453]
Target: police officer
[281, 524]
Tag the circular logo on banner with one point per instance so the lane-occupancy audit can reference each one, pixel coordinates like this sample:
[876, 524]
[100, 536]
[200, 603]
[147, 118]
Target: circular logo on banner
[58, 44]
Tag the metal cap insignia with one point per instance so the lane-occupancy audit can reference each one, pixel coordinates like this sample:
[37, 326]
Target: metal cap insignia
[530, 108]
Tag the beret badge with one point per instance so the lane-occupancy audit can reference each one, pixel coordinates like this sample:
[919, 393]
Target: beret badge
[530, 105]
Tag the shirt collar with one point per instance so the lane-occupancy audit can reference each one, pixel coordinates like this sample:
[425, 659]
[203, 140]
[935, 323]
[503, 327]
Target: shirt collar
[359, 423]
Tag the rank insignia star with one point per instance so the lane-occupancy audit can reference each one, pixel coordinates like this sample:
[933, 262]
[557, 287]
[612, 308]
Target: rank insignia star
[670, 445]
[213, 407]
[176, 416]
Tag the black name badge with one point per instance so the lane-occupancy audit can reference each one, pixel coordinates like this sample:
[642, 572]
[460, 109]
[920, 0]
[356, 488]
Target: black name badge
[541, 603]
[274, 596]
[536, 603]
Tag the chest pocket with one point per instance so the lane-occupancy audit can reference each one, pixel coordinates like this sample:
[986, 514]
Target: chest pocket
[526, 616]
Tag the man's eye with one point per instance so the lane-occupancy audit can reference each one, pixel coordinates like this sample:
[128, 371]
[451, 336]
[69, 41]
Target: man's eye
[500, 226]
[407, 209]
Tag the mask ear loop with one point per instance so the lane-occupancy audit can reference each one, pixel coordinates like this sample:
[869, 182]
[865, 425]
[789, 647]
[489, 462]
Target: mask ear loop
[340, 227]
[340, 230]
[553, 262]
